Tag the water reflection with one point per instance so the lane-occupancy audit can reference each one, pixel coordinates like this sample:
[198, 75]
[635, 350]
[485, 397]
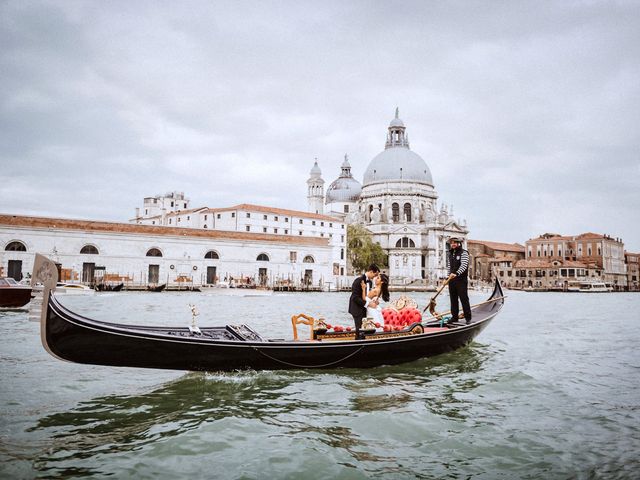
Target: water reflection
[290, 401]
[439, 383]
[536, 399]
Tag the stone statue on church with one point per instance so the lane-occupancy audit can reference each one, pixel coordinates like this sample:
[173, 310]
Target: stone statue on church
[375, 215]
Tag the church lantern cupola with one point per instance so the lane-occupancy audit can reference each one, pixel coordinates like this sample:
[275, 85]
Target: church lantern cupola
[396, 136]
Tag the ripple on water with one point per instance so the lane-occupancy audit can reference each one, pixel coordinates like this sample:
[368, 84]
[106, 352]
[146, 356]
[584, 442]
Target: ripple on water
[547, 391]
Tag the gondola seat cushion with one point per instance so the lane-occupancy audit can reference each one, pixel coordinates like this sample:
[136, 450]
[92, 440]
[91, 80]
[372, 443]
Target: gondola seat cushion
[411, 316]
[390, 316]
[406, 316]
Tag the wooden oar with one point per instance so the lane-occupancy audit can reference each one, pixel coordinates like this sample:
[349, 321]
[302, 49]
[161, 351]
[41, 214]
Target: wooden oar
[432, 303]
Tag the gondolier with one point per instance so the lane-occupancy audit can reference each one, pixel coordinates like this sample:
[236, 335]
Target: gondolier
[458, 265]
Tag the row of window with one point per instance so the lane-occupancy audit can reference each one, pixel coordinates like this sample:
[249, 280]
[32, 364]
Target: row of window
[276, 218]
[544, 252]
[562, 272]
[395, 211]
[213, 255]
[152, 252]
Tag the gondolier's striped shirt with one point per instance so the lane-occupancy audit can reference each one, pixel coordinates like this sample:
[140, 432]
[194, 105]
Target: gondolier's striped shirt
[464, 263]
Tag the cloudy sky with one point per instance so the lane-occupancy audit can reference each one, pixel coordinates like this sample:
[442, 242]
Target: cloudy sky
[526, 112]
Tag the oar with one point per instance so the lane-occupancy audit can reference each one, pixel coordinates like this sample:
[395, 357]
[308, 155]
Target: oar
[432, 303]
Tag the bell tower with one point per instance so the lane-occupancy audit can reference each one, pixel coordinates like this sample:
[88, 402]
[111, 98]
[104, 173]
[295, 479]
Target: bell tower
[315, 190]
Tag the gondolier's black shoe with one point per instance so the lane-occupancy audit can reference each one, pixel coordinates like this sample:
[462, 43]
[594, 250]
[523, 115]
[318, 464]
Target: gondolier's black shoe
[468, 322]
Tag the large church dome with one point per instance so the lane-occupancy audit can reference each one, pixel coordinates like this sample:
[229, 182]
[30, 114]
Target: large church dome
[397, 162]
[345, 188]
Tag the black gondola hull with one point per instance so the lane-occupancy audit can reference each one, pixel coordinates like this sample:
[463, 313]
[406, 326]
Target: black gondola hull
[78, 339]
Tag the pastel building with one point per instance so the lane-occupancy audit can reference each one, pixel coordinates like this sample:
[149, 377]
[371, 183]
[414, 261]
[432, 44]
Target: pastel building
[592, 250]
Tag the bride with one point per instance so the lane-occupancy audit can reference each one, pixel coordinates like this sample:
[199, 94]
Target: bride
[380, 291]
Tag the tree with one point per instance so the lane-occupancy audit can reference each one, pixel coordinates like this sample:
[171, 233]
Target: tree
[362, 251]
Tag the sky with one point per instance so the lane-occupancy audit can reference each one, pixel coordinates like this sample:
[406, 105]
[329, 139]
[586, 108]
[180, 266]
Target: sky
[525, 112]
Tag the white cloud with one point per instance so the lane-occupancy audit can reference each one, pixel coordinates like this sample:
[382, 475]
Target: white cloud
[525, 112]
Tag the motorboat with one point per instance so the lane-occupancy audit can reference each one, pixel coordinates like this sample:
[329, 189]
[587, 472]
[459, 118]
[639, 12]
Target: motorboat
[13, 294]
[588, 287]
[73, 288]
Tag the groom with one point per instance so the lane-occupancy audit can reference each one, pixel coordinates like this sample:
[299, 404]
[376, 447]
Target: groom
[358, 306]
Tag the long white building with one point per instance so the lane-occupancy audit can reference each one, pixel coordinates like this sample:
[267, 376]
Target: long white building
[151, 254]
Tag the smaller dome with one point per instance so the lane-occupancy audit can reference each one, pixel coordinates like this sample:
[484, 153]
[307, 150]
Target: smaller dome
[343, 189]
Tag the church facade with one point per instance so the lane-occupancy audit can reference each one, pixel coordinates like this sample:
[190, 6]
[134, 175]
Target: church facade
[396, 202]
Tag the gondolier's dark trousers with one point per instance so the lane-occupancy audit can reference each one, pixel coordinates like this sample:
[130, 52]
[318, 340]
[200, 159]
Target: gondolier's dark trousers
[458, 290]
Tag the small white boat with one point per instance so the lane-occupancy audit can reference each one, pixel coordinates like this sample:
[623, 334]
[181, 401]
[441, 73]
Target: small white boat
[73, 288]
[587, 287]
[239, 291]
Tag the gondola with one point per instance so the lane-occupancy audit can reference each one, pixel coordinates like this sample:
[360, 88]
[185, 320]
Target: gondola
[157, 288]
[105, 287]
[75, 338]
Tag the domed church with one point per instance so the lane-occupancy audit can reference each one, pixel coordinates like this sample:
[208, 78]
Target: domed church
[398, 204]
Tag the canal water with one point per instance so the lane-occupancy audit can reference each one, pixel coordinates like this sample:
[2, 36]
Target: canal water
[549, 390]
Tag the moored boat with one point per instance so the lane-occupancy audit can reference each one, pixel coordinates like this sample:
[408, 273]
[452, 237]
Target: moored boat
[76, 338]
[108, 287]
[73, 288]
[12, 294]
[588, 287]
[157, 288]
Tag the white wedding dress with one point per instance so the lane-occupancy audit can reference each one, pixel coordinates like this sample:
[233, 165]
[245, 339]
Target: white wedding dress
[375, 313]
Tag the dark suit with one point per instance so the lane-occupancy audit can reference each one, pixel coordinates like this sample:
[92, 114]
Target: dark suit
[356, 304]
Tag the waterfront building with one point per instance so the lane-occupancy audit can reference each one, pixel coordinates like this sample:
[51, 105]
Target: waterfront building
[248, 218]
[597, 251]
[487, 258]
[398, 204]
[546, 274]
[632, 261]
[137, 254]
[169, 202]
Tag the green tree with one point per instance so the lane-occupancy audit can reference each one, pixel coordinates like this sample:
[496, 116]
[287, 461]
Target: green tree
[362, 251]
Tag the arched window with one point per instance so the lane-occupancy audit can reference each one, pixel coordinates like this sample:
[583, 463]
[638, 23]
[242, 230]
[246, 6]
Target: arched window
[212, 254]
[395, 211]
[405, 242]
[407, 211]
[263, 257]
[154, 252]
[16, 247]
[89, 250]
[308, 259]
